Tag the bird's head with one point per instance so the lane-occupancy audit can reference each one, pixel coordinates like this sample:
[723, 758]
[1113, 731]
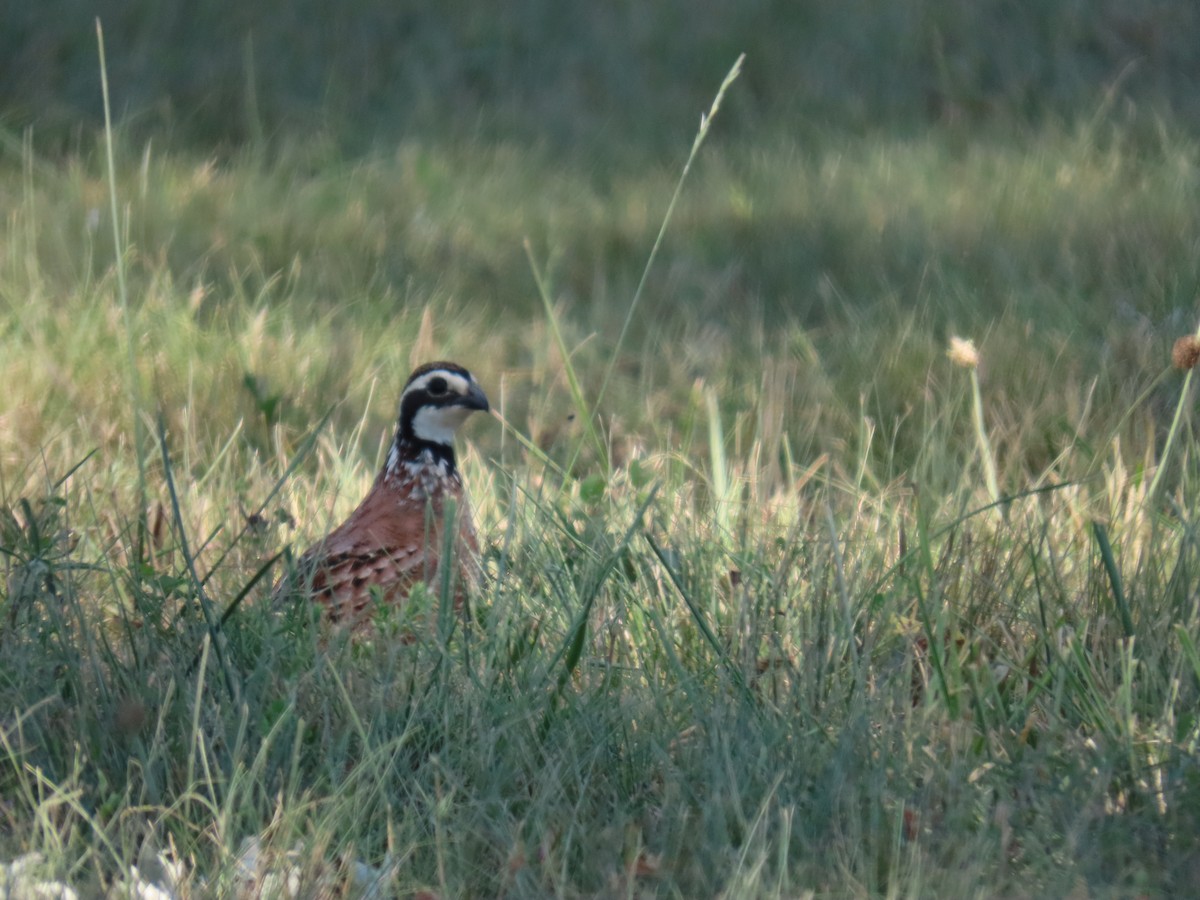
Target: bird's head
[437, 399]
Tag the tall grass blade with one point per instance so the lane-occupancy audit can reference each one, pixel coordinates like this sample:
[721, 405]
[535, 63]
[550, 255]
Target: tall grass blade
[697, 142]
[720, 468]
[301, 454]
[1184, 403]
[929, 624]
[135, 391]
[1114, 577]
[697, 615]
[206, 605]
[571, 651]
[577, 398]
[985, 445]
[1188, 643]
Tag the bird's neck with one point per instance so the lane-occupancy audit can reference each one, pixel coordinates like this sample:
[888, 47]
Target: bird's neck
[410, 455]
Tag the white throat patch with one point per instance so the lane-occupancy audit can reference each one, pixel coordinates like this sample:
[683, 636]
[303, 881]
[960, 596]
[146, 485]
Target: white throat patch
[437, 425]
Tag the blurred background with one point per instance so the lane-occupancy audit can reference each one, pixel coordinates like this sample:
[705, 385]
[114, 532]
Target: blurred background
[883, 175]
[622, 75]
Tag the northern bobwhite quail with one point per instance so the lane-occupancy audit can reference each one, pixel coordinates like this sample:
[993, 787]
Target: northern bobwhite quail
[395, 537]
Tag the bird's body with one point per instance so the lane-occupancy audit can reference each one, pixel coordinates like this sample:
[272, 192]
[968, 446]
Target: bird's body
[396, 536]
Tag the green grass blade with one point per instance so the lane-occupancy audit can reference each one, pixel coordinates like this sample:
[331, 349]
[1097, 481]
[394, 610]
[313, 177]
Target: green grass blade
[206, 605]
[571, 651]
[1114, 577]
[134, 381]
[1188, 645]
[722, 500]
[302, 452]
[577, 399]
[698, 616]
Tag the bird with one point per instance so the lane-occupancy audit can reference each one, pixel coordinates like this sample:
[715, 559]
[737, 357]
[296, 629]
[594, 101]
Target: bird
[395, 538]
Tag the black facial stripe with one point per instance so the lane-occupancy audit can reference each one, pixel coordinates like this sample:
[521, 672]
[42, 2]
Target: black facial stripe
[409, 447]
[410, 405]
[412, 401]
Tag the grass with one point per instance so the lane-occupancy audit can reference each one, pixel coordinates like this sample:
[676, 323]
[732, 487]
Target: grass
[772, 636]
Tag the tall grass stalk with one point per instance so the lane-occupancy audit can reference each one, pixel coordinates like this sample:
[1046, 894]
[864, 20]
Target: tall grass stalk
[134, 381]
[985, 444]
[206, 606]
[706, 120]
[963, 353]
[577, 397]
[588, 416]
[1184, 403]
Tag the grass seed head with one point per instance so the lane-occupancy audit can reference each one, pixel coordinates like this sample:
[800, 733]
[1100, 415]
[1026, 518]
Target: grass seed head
[1186, 352]
[962, 352]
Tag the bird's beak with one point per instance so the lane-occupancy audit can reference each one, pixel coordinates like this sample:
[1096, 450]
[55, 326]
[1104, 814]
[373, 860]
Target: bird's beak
[475, 399]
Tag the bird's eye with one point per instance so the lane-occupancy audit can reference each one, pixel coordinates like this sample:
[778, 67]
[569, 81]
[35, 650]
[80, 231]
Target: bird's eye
[437, 387]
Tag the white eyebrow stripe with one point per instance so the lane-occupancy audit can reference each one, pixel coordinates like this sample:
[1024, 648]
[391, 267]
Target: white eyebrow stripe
[457, 383]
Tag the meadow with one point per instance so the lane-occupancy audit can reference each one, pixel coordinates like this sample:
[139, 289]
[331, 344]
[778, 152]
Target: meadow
[791, 591]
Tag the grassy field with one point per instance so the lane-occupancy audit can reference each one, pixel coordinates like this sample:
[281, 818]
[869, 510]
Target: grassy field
[802, 604]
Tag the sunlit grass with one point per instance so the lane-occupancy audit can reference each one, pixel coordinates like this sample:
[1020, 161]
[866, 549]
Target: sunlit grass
[769, 640]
